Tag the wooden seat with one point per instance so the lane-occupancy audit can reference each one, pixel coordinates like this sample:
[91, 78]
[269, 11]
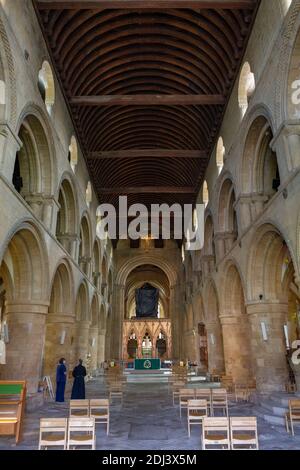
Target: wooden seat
[219, 401]
[99, 409]
[185, 395]
[215, 434]
[177, 386]
[53, 433]
[293, 415]
[204, 394]
[243, 433]
[12, 406]
[81, 432]
[116, 391]
[80, 408]
[227, 383]
[196, 411]
[241, 392]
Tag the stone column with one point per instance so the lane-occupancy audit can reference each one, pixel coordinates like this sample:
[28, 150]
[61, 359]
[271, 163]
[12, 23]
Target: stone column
[93, 347]
[26, 326]
[269, 356]
[139, 351]
[59, 342]
[10, 144]
[238, 362]
[82, 340]
[215, 349]
[101, 348]
[116, 324]
[286, 144]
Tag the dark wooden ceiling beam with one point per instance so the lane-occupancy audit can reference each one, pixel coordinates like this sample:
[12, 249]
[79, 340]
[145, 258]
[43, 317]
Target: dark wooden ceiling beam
[148, 100]
[148, 190]
[153, 153]
[144, 4]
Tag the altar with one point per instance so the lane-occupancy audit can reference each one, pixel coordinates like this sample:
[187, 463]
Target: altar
[147, 364]
[150, 338]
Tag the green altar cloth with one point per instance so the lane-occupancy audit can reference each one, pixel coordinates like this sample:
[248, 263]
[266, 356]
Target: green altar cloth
[147, 364]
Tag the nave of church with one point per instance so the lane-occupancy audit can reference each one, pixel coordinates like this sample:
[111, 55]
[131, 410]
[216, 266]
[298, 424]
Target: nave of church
[173, 104]
[147, 420]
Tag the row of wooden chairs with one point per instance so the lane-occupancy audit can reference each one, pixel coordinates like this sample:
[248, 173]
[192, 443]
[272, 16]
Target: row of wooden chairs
[230, 434]
[67, 433]
[216, 399]
[97, 409]
[292, 417]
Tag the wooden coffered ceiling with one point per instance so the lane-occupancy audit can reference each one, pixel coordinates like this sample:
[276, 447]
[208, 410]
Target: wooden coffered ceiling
[147, 82]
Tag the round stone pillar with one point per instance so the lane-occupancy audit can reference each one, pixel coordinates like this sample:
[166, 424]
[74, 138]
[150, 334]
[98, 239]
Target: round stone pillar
[26, 328]
[269, 353]
[82, 340]
[215, 350]
[237, 358]
[101, 348]
[59, 342]
[93, 348]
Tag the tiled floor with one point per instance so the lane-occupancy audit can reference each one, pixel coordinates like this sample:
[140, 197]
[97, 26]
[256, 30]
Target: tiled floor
[147, 421]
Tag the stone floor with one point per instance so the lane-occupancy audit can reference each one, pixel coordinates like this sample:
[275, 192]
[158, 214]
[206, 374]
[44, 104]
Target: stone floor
[147, 421]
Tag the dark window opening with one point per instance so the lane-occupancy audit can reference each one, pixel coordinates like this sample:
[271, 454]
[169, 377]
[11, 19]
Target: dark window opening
[17, 179]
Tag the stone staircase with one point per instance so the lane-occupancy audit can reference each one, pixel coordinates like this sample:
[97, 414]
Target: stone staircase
[272, 408]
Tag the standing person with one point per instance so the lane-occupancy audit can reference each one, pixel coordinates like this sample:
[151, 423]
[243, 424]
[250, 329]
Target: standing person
[61, 378]
[78, 390]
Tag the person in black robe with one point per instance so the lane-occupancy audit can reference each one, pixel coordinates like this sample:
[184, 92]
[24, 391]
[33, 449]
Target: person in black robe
[78, 390]
[61, 378]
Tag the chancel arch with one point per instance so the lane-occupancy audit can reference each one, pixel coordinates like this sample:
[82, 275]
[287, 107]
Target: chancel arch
[24, 277]
[137, 276]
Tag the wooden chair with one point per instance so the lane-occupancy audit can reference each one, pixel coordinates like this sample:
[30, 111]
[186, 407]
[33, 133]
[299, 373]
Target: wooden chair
[215, 433]
[204, 394]
[241, 392]
[177, 386]
[81, 432]
[243, 434]
[227, 383]
[116, 391]
[99, 409]
[80, 408]
[219, 401]
[53, 433]
[293, 415]
[185, 395]
[196, 411]
[12, 406]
